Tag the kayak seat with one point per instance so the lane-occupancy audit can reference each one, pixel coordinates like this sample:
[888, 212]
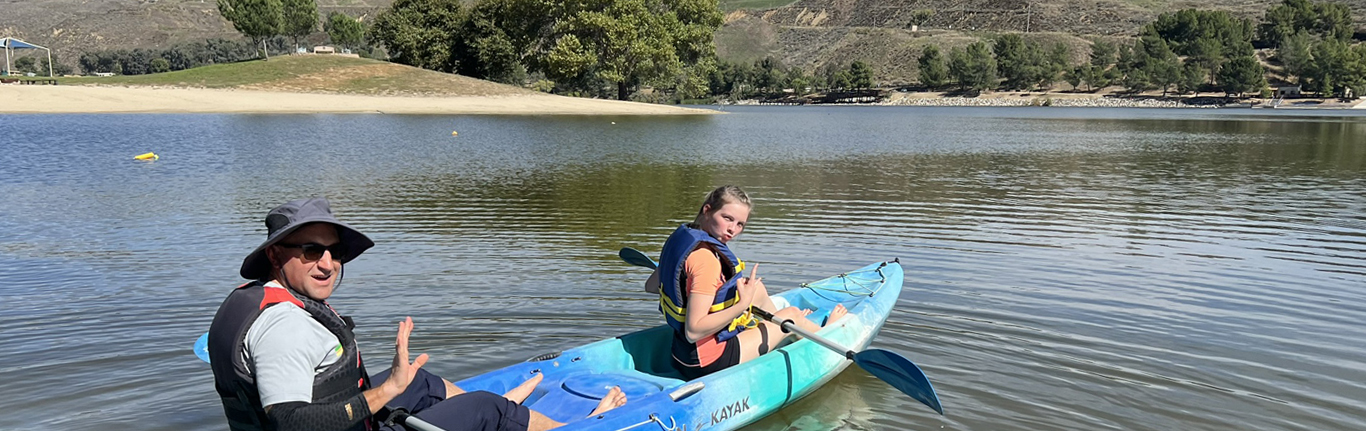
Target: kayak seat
[578, 393]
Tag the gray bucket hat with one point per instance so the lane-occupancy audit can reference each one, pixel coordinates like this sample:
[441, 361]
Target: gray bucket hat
[287, 218]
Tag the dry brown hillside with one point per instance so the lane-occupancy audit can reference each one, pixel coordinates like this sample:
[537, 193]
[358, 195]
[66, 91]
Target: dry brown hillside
[814, 33]
[807, 33]
[1087, 17]
[71, 27]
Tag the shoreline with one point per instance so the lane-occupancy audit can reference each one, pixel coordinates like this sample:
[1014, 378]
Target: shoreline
[71, 99]
[1068, 100]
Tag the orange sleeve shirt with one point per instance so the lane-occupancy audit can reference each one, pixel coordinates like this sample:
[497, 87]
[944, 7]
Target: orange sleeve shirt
[704, 277]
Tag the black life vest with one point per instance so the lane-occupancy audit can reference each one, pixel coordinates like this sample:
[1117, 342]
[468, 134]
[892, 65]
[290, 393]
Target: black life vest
[231, 374]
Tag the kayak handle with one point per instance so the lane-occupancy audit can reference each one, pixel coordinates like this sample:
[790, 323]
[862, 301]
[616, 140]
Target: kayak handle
[685, 390]
[544, 357]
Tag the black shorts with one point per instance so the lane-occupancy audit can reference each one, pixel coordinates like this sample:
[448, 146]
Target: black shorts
[470, 411]
[730, 356]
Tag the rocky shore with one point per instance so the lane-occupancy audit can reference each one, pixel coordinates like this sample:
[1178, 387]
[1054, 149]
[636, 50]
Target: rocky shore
[1076, 100]
[1106, 102]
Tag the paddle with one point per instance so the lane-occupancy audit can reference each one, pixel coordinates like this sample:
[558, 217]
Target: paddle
[887, 366]
[201, 347]
[636, 257]
[402, 417]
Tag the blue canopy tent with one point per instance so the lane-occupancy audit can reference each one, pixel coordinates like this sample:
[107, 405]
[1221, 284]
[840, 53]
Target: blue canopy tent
[12, 44]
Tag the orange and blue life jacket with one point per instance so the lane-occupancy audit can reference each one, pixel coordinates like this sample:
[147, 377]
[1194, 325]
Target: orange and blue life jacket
[673, 295]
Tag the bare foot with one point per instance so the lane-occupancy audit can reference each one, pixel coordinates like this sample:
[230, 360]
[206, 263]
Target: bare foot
[522, 391]
[836, 314]
[614, 398]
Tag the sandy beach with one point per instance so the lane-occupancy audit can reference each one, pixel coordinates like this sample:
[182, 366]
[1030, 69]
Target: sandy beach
[47, 99]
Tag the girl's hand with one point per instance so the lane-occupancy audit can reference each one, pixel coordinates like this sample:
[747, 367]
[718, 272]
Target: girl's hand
[748, 286]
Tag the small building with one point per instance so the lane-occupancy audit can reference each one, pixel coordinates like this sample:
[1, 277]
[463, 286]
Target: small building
[1287, 91]
[323, 49]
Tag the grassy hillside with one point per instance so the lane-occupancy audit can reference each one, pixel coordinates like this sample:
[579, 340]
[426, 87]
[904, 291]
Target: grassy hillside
[732, 5]
[315, 74]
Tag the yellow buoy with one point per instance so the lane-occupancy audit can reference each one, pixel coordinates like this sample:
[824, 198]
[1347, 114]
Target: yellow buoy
[146, 156]
[453, 133]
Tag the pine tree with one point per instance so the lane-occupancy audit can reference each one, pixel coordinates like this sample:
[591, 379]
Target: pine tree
[299, 19]
[256, 19]
[933, 72]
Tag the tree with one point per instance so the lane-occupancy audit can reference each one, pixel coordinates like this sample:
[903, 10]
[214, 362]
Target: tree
[1192, 78]
[1014, 62]
[27, 64]
[344, 30]
[1333, 67]
[256, 19]
[933, 72]
[1161, 66]
[58, 68]
[1333, 20]
[630, 41]
[920, 17]
[1077, 76]
[842, 80]
[498, 37]
[1242, 74]
[1057, 61]
[1185, 27]
[420, 33]
[768, 75]
[1295, 54]
[299, 19]
[860, 75]
[159, 65]
[974, 68]
[1102, 54]
[1208, 53]
[1328, 20]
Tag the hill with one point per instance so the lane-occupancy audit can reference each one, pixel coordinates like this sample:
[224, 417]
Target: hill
[807, 33]
[812, 33]
[316, 74]
[71, 27]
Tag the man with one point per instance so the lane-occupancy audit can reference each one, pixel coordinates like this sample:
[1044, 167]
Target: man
[283, 359]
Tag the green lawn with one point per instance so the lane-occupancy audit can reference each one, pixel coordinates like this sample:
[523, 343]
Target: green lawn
[229, 75]
[314, 73]
[730, 5]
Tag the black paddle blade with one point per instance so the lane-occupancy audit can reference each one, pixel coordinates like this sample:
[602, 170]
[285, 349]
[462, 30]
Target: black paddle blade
[901, 373]
[636, 257]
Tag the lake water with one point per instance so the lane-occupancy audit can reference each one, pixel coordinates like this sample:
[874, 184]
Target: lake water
[1067, 269]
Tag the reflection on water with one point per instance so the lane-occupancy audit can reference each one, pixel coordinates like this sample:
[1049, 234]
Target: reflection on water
[1066, 268]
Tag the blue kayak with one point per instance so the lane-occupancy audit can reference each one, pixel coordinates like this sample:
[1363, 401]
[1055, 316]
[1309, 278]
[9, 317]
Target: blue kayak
[659, 399]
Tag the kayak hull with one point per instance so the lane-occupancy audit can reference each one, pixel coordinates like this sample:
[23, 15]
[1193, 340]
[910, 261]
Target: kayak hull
[640, 364]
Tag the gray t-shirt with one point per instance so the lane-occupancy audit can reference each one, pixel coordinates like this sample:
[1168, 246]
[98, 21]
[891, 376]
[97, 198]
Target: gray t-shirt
[285, 349]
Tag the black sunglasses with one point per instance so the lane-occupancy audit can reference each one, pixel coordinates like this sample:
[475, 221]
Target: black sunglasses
[314, 251]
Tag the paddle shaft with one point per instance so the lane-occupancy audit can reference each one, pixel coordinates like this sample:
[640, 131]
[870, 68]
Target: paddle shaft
[791, 326]
[887, 366]
[402, 417]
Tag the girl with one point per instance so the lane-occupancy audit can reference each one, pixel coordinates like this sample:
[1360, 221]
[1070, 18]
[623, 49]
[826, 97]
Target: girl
[705, 299]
